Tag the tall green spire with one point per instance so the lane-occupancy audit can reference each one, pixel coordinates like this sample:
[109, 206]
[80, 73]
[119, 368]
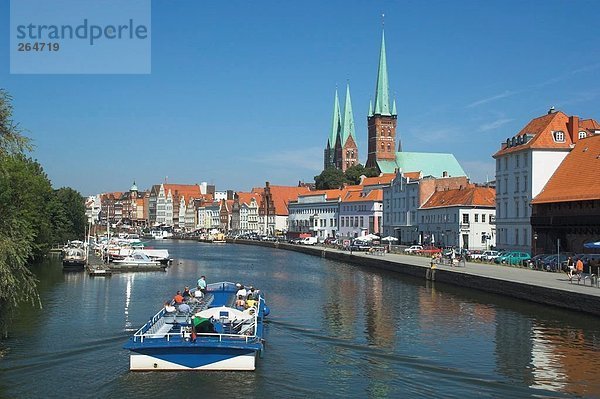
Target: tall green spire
[336, 122]
[382, 97]
[348, 121]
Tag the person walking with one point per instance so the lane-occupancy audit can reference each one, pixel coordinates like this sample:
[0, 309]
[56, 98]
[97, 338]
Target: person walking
[579, 268]
[570, 267]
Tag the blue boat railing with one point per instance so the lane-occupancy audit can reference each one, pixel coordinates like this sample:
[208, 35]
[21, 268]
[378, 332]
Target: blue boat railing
[142, 334]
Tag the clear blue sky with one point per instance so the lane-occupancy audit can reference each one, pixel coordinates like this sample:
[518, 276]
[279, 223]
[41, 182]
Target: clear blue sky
[241, 92]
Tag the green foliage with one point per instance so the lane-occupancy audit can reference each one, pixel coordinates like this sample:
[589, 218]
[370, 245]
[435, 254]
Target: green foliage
[33, 216]
[12, 140]
[354, 173]
[332, 178]
[329, 178]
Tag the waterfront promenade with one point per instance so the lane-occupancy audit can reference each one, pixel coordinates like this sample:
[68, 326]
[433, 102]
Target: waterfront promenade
[548, 288]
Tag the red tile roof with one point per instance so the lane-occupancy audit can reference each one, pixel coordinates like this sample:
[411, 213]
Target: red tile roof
[542, 129]
[283, 194]
[576, 179]
[384, 178]
[186, 190]
[471, 195]
[360, 196]
[245, 198]
[330, 194]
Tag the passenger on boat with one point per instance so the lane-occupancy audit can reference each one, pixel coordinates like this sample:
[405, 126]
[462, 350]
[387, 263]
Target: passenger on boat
[184, 308]
[169, 308]
[186, 294]
[178, 298]
[202, 284]
[253, 291]
[240, 303]
[250, 302]
[198, 294]
[241, 291]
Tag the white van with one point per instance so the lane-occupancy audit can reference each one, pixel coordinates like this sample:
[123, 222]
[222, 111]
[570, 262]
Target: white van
[309, 241]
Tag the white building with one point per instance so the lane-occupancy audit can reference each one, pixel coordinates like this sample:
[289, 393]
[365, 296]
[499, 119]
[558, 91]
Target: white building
[93, 206]
[244, 216]
[462, 218]
[524, 164]
[361, 213]
[407, 192]
[315, 214]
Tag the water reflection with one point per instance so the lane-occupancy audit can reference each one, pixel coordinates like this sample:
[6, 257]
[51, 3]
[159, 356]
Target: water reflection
[335, 330]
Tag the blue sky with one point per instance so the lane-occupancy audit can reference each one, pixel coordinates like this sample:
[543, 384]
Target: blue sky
[242, 92]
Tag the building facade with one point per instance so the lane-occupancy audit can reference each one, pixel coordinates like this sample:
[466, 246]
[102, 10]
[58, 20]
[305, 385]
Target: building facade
[462, 218]
[361, 213]
[524, 164]
[315, 214]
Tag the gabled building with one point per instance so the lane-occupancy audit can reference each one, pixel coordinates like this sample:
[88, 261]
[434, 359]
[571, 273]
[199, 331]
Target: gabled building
[407, 192]
[566, 212]
[315, 214]
[273, 208]
[361, 212]
[524, 164]
[225, 214]
[461, 217]
[244, 216]
[165, 200]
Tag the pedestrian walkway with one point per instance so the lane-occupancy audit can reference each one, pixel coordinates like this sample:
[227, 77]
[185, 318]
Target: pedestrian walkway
[558, 281]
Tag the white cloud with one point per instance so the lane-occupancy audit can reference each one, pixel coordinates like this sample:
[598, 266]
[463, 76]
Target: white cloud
[495, 124]
[507, 93]
[480, 171]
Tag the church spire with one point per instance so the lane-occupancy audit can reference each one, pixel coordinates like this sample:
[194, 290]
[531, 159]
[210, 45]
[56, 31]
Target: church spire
[348, 121]
[370, 108]
[394, 112]
[336, 122]
[382, 97]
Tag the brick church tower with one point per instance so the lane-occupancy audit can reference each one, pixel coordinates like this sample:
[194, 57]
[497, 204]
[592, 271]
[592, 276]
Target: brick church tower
[382, 119]
[342, 150]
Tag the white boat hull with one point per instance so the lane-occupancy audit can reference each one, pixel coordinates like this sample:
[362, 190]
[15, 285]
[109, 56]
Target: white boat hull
[139, 362]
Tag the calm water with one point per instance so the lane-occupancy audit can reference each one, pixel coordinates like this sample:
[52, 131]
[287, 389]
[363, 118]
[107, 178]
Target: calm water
[335, 330]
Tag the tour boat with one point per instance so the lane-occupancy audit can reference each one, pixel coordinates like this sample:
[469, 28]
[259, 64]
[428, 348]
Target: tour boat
[74, 258]
[213, 335]
[137, 259]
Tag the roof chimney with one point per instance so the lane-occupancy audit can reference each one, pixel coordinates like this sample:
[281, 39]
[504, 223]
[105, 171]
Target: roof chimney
[573, 128]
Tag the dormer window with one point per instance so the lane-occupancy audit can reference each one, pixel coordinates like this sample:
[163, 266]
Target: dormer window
[512, 142]
[559, 136]
[582, 135]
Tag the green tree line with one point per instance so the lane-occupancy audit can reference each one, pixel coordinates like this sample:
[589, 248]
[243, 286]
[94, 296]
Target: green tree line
[332, 178]
[33, 216]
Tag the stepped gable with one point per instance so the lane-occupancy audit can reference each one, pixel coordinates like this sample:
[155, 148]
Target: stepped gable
[470, 195]
[576, 179]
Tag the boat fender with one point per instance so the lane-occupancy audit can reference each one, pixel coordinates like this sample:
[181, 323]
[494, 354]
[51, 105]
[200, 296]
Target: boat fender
[266, 310]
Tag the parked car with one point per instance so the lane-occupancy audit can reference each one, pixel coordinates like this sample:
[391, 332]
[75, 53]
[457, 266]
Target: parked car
[555, 263]
[513, 258]
[413, 249]
[360, 245]
[485, 255]
[536, 261]
[309, 241]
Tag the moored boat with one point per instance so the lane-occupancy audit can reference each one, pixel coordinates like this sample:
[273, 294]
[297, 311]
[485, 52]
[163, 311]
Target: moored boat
[137, 259]
[213, 335]
[74, 257]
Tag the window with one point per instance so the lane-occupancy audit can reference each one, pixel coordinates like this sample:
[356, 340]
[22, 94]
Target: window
[516, 183]
[517, 236]
[582, 135]
[476, 218]
[483, 218]
[559, 136]
[465, 218]
[389, 147]
[525, 183]
[517, 206]
[505, 186]
[517, 158]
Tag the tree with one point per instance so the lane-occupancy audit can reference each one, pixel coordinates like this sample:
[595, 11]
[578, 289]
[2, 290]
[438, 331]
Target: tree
[330, 178]
[12, 140]
[354, 173]
[67, 215]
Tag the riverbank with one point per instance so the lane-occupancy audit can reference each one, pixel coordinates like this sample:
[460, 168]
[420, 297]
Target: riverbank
[547, 288]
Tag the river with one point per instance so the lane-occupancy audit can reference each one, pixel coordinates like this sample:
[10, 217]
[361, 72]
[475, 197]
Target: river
[335, 330]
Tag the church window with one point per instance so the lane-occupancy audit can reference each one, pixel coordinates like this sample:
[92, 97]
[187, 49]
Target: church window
[382, 146]
[389, 147]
